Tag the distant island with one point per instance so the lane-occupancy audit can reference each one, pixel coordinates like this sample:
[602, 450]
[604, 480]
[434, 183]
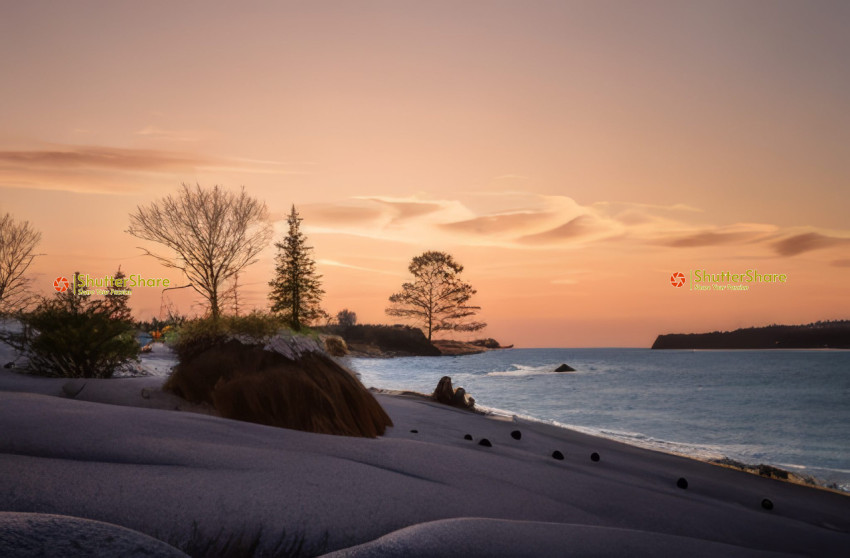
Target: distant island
[817, 335]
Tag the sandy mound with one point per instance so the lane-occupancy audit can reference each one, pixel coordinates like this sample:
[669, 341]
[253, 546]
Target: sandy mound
[40, 535]
[291, 388]
[489, 538]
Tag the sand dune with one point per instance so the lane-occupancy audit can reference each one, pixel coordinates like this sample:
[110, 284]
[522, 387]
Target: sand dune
[428, 493]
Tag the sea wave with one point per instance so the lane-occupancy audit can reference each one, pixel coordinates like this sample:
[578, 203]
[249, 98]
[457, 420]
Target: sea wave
[524, 370]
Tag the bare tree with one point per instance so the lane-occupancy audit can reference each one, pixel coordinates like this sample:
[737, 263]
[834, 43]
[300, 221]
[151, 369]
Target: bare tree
[214, 234]
[17, 244]
[437, 298]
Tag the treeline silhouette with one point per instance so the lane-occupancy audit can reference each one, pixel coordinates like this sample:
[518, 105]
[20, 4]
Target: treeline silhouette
[818, 335]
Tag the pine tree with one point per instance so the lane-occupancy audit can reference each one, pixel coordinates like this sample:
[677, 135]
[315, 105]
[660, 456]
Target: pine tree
[116, 303]
[296, 289]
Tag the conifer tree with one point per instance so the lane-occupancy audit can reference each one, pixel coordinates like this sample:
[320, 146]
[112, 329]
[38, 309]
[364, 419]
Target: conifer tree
[296, 290]
[116, 303]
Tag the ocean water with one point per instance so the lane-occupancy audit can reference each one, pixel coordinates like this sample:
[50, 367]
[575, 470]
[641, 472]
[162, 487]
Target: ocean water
[785, 408]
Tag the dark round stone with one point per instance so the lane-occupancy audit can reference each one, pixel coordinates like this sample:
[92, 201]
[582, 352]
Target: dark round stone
[485, 442]
[467, 436]
[767, 504]
[516, 434]
[558, 455]
[414, 431]
[682, 483]
[594, 457]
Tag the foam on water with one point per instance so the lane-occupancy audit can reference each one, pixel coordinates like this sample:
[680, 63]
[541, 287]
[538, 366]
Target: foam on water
[523, 370]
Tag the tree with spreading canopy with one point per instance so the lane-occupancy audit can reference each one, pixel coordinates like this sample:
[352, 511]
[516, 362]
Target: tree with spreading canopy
[437, 298]
[214, 234]
[18, 240]
[346, 318]
[296, 290]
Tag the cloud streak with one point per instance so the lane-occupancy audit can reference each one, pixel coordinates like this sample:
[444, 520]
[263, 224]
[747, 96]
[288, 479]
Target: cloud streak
[806, 242]
[114, 170]
[98, 157]
[554, 222]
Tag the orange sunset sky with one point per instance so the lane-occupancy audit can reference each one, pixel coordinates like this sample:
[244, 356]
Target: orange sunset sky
[572, 155]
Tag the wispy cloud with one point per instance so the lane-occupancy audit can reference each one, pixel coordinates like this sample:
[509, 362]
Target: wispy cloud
[714, 238]
[404, 209]
[114, 170]
[552, 222]
[98, 157]
[505, 223]
[806, 242]
[334, 263]
[577, 228]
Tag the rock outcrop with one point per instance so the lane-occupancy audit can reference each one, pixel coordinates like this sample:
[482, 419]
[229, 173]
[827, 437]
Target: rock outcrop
[447, 395]
[565, 368]
[286, 381]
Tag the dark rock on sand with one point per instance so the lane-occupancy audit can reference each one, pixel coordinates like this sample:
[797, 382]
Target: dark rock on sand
[594, 457]
[767, 504]
[485, 442]
[446, 394]
[516, 435]
[558, 455]
[467, 436]
[414, 431]
[772, 472]
[682, 483]
[565, 368]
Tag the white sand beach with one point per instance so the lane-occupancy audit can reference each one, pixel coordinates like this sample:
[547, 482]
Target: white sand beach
[420, 490]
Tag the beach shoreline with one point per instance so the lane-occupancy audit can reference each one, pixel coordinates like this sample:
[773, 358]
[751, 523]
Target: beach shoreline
[415, 486]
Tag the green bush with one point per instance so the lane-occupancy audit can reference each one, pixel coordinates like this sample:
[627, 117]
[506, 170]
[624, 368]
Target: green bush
[74, 337]
[194, 336]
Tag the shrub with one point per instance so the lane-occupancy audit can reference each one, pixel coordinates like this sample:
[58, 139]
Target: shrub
[194, 336]
[74, 337]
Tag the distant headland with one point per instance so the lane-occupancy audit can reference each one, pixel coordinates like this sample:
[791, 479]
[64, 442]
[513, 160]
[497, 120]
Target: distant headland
[382, 341]
[817, 335]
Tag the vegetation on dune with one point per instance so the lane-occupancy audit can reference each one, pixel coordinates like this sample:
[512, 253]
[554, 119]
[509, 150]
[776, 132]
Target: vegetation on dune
[72, 336]
[194, 336]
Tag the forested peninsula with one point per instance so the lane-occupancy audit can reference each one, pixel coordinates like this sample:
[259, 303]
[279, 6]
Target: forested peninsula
[818, 335]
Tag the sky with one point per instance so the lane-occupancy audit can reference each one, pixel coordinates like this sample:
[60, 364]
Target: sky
[571, 155]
